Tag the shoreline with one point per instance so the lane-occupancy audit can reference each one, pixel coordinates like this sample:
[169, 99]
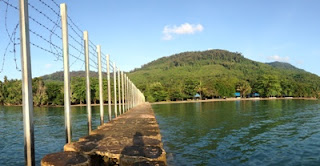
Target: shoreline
[74, 105]
[185, 101]
[232, 99]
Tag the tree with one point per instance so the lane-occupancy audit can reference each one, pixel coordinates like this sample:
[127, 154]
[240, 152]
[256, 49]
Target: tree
[273, 86]
[55, 91]
[225, 88]
[2, 93]
[156, 92]
[40, 96]
[287, 88]
[190, 87]
[268, 85]
[244, 88]
[14, 92]
[175, 93]
[78, 90]
[201, 89]
[94, 90]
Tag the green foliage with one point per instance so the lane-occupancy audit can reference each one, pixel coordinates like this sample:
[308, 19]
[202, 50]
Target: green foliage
[12, 92]
[55, 92]
[268, 85]
[225, 88]
[243, 87]
[40, 96]
[156, 92]
[190, 87]
[220, 73]
[212, 74]
[78, 90]
[51, 92]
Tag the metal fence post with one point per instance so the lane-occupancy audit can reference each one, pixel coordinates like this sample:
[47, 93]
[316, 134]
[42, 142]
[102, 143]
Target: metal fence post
[122, 85]
[115, 88]
[125, 92]
[65, 44]
[100, 85]
[128, 93]
[133, 97]
[131, 94]
[27, 98]
[109, 88]
[86, 48]
[119, 89]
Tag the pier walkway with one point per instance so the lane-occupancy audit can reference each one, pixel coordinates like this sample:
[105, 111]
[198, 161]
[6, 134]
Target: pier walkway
[132, 138]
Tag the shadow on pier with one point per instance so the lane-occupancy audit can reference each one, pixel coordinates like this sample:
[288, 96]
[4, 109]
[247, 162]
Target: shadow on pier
[132, 138]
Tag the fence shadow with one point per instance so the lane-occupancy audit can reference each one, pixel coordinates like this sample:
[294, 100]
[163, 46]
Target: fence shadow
[139, 150]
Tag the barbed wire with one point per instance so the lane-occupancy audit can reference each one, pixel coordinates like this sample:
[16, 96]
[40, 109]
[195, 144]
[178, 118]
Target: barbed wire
[4, 57]
[54, 2]
[51, 44]
[9, 4]
[46, 50]
[12, 39]
[81, 53]
[73, 38]
[43, 14]
[76, 37]
[6, 24]
[50, 36]
[14, 47]
[50, 7]
[42, 25]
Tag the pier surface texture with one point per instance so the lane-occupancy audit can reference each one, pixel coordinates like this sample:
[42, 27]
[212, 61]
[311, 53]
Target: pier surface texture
[132, 138]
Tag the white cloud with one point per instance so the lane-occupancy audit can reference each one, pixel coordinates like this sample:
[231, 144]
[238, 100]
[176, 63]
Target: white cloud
[186, 28]
[48, 66]
[279, 58]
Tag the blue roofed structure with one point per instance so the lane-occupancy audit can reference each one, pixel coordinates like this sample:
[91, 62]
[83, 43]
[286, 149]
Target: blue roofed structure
[237, 94]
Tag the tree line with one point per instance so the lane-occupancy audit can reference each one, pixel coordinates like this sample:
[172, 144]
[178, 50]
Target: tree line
[211, 74]
[50, 92]
[265, 86]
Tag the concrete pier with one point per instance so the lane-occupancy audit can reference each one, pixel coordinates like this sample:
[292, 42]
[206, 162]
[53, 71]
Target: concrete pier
[132, 138]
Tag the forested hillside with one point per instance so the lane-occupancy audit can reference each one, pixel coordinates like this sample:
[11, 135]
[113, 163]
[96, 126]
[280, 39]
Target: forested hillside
[220, 73]
[212, 74]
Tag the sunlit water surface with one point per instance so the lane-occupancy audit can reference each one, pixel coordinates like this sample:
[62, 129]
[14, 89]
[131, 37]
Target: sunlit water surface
[280, 132]
[49, 131]
[277, 132]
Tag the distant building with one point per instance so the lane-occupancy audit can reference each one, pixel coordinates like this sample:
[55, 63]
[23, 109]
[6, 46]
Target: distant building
[237, 94]
[254, 95]
[197, 96]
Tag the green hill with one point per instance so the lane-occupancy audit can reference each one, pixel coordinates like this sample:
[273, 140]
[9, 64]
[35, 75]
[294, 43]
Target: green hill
[220, 73]
[58, 76]
[283, 65]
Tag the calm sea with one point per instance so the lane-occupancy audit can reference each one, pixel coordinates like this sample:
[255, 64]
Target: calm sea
[278, 132]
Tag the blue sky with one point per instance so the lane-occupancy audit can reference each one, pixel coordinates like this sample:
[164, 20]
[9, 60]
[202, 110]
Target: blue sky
[137, 32]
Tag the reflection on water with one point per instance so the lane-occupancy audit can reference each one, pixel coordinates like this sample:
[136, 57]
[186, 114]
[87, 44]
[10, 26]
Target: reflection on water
[277, 132]
[48, 127]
